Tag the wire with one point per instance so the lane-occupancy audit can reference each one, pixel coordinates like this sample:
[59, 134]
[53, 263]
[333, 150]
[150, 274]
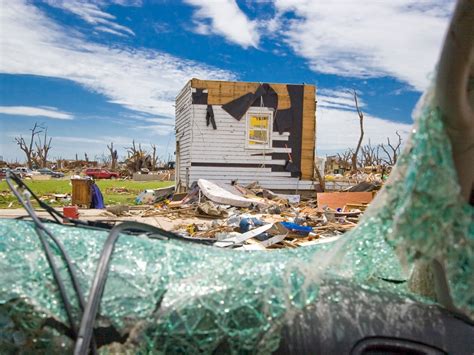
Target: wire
[95, 295]
[84, 337]
[41, 230]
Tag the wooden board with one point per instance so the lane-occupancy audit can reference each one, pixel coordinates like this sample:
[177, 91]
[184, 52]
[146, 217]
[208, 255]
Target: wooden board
[222, 92]
[309, 133]
[340, 199]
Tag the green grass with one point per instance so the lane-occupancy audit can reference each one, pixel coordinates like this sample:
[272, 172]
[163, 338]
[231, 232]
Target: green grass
[60, 186]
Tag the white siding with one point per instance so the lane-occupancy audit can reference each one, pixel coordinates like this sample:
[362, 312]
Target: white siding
[226, 144]
[183, 133]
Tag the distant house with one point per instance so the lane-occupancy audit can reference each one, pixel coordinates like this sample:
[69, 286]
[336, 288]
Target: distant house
[336, 165]
[227, 131]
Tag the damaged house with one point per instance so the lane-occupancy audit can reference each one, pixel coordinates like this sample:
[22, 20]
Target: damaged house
[228, 131]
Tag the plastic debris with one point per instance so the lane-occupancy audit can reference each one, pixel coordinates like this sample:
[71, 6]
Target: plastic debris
[303, 230]
[146, 197]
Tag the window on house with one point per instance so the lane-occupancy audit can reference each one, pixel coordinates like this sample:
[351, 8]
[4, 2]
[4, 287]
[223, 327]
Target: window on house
[259, 129]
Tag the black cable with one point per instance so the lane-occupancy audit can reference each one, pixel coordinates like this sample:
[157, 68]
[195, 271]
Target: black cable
[55, 214]
[85, 334]
[40, 228]
[57, 278]
[88, 317]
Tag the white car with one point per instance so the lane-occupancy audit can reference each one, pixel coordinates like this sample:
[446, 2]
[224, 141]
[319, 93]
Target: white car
[25, 172]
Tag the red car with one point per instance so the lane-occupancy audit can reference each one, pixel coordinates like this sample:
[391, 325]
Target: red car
[101, 173]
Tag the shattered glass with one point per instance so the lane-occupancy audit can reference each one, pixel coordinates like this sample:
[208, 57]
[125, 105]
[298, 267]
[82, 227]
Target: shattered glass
[174, 297]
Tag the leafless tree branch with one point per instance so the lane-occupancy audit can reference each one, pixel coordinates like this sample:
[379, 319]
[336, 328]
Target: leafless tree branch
[361, 137]
[113, 155]
[42, 149]
[392, 151]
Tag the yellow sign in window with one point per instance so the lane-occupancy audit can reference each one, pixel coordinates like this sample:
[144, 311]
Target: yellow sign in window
[258, 130]
[259, 122]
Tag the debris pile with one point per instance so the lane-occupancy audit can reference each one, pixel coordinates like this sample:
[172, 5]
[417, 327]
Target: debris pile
[117, 190]
[254, 218]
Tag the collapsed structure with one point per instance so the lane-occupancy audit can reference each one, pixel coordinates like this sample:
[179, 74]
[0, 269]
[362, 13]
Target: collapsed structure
[227, 131]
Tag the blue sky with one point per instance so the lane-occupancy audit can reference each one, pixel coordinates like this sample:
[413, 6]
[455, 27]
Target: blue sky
[100, 71]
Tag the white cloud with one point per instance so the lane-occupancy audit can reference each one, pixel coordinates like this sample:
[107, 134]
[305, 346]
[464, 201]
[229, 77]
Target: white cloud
[157, 129]
[398, 38]
[155, 125]
[109, 30]
[142, 80]
[161, 121]
[338, 129]
[92, 13]
[118, 140]
[340, 99]
[45, 111]
[67, 139]
[225, 18]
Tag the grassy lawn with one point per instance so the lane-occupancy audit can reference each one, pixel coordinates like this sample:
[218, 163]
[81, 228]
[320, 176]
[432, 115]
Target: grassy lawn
[111, 189]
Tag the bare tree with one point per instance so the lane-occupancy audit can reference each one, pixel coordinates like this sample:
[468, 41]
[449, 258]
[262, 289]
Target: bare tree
[103, 159]
[361, 121]
[365, 157]
[370, 155]
[86, 157]
[344, 158]
[60, 162]
[137, 157]
[113, 155]
[321, 181]
[154, 157]
[392, 151]
[42, 149]
[28, 148]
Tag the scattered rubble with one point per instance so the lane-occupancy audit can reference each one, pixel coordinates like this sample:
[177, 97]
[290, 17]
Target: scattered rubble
[154, 196]
[252, 218]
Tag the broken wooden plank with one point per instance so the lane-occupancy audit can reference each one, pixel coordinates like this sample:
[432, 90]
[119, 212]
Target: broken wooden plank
[359, 206]
[336, 200]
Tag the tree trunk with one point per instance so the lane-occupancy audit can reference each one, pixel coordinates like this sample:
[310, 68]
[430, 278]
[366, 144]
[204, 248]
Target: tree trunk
[361, 121]
[113, 156]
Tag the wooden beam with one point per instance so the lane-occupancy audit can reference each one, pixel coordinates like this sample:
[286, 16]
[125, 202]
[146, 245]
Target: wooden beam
[308, 134]
[222, 92]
